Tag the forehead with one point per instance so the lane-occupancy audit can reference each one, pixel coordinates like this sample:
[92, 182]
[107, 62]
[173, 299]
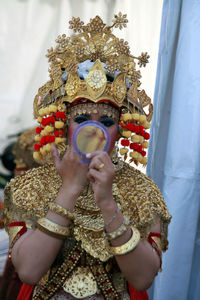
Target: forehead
[100, 109]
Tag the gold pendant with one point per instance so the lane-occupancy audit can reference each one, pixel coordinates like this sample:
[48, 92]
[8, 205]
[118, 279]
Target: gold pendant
[81, 283]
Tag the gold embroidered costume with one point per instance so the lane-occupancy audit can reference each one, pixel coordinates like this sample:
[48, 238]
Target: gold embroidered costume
[89, 71]
[138, 197]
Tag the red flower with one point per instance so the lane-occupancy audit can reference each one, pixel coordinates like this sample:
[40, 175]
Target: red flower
[143, 153]
[50, 139]
[43, 141]
[59, 133]
[125, 143]
[140, 148]
[37, 147]
[137, 129]
[47, 121]
[130, 126]
[38, 130]
[146, 136]
[44, 121]
[141, 129]
[134, 146]
[60, 114]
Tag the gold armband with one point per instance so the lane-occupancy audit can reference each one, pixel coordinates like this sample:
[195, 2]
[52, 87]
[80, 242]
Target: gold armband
[128, 246]
[58, 209]
[52, 228]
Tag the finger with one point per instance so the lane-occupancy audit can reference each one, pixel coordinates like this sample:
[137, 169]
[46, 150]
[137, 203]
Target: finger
[56, 158]
[73, 154]
[94, 175]
[90, 178]
[96, 163]
[93, 154]
[102, 155]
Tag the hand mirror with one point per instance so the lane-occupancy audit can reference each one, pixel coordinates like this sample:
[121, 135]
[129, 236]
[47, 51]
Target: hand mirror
[88, 137]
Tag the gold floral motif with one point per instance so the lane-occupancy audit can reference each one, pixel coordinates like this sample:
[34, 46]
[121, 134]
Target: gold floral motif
[120, 20]
[96, 25]
[119, 88]
[143, 59]
[76, 24]
[81, 283]
[72, 85]
[96, 80]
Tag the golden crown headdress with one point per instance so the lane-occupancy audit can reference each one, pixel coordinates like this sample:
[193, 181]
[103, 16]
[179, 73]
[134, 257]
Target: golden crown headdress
[92, 64]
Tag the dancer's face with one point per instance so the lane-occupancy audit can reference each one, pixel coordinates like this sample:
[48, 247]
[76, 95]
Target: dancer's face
[100, 116]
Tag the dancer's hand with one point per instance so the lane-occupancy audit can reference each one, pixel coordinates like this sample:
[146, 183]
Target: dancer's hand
[72, 172]
[101, 173]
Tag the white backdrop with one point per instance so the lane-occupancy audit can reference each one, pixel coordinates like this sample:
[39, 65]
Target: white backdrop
[29, 27]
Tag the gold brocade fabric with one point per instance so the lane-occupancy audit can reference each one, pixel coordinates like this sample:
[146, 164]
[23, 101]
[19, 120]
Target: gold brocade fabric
[139, 199]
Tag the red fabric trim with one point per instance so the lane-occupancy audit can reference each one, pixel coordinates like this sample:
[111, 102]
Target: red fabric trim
[135, 295]
[17, 224]
[152, 242]
[25, 292]
[23, 230]
[21, 169]
[155, 234]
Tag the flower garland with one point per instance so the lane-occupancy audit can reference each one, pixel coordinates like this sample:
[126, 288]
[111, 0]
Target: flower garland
[134, 137]
[53, 123]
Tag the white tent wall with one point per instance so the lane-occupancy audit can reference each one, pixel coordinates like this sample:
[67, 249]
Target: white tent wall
[29, 27]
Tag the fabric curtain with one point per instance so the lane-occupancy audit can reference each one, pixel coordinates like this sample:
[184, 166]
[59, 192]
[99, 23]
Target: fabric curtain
[174, 153]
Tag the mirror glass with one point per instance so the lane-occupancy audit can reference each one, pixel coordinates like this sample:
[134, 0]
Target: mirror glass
[88, 137]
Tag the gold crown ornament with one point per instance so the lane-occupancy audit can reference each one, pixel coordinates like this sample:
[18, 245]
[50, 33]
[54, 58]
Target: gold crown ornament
[92, 64]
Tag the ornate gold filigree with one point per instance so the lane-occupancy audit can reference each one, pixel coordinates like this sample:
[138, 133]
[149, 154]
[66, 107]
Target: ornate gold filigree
[96, 80]
[81, 283]
[93, 41]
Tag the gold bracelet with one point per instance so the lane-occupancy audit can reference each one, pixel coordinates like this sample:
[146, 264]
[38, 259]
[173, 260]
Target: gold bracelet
[52, 228]
[116, 233]
[128, 246]
[58, 209]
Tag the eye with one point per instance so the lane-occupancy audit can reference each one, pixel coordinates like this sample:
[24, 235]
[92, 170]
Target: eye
[81, 118]
[107, 121]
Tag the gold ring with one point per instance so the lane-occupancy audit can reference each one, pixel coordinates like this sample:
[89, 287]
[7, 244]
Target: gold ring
[101, 166]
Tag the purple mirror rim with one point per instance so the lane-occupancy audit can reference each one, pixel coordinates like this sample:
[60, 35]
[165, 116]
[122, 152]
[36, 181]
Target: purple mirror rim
[84, 159]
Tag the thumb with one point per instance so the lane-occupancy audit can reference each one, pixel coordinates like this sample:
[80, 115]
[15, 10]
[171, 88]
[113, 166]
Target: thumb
[56, 158]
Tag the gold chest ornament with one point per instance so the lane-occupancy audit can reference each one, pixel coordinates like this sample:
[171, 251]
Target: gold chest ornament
[81, 283]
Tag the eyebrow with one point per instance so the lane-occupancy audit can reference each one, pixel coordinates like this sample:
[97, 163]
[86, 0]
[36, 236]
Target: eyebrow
[105, 116]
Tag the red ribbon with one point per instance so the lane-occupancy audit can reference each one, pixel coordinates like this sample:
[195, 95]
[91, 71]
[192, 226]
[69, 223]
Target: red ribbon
[25, 292]
[23, 230]
[151, 241]
[135, 295]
